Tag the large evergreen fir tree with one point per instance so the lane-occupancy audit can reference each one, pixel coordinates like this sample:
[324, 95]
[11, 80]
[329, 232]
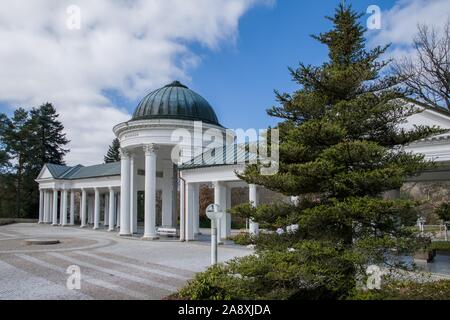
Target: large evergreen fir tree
[113, 154]
[341, 149]
[30, 139]
[48, 138]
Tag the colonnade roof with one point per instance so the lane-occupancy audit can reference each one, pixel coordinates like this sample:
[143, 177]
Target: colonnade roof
[231, 154]
[80, 172]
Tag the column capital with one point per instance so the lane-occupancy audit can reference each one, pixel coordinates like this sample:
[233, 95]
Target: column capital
[111, 189]
[150, 149]
[217, 184]
[124, 153]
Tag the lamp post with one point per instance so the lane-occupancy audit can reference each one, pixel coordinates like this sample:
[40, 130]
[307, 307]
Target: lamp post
[214, 212]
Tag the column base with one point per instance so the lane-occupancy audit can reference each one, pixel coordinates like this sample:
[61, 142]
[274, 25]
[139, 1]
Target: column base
[95, 228]
[83, 227]
[111, 230]
[55, 224]
[125, 235]
[149, 238]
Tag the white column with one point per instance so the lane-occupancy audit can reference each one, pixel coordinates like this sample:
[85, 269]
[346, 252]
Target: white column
[125, 193]
[174, 195]
[189, 221]
[182, 209]
[83, 208]
[96, 208]
[150, 193]
[50, 206]
[112, 207]
[91, 204]
[61, 204]
[254, 200]
[106, 213]
[226, 227]
[196, 208]
[225, 221]
[167, 194]
[133, 195]
[41, 206]
[72, 208]
[55, 208]
[46, 206]
[64, 207]
[220, 199]
[118, 210]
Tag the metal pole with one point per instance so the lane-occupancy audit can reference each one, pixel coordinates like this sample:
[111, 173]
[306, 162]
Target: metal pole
[213, 242]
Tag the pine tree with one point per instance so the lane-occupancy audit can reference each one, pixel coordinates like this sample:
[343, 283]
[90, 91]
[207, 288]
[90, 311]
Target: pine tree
[48, 137]
[16, 137]
[340, 151]
[4, 158]
[113, 154]
[30, 139]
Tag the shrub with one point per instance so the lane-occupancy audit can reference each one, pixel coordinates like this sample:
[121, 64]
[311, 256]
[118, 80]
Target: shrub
[306, 272]
[243, 239]
[440, 246]
[443, 211]
[407, 290]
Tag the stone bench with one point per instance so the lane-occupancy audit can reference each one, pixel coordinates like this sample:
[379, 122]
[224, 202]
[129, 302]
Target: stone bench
[167, 231]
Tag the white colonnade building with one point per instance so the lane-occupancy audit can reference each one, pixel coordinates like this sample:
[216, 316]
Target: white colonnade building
[163, 151]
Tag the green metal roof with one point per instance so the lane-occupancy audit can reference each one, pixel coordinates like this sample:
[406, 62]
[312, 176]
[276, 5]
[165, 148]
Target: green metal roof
[56, 169]
[81, 172]
[226, 155]
[175, 101]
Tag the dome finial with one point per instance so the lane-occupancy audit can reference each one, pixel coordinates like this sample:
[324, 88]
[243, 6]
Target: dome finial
[176, 83]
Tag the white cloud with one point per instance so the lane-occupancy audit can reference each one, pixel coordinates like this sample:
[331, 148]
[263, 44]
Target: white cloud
[399, 23]
[125, 46]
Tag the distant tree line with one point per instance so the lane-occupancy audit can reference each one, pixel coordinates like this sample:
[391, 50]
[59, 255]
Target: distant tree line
[28, 140]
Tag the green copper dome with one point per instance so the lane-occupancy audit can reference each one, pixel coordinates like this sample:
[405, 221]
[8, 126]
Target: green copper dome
[175, 101]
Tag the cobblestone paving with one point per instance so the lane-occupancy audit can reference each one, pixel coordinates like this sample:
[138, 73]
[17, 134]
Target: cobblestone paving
[111, 267]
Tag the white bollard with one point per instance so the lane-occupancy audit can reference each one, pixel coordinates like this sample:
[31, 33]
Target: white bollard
[214, 213]
[213, 243]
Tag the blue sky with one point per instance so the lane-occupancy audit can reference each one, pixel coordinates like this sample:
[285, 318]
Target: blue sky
[235, 53]
[239, 78]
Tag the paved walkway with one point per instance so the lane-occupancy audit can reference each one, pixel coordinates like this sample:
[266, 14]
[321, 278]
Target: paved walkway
[111, 267]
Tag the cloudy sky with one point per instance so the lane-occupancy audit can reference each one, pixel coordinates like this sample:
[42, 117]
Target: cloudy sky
[233, 52]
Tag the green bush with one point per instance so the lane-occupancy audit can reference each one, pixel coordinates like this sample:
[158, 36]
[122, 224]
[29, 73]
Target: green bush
[440, 246]
[311, 270]
[407, 290]
[243, 239]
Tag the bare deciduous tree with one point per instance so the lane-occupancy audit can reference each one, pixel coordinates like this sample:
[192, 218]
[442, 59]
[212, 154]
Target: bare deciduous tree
[427, 71]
